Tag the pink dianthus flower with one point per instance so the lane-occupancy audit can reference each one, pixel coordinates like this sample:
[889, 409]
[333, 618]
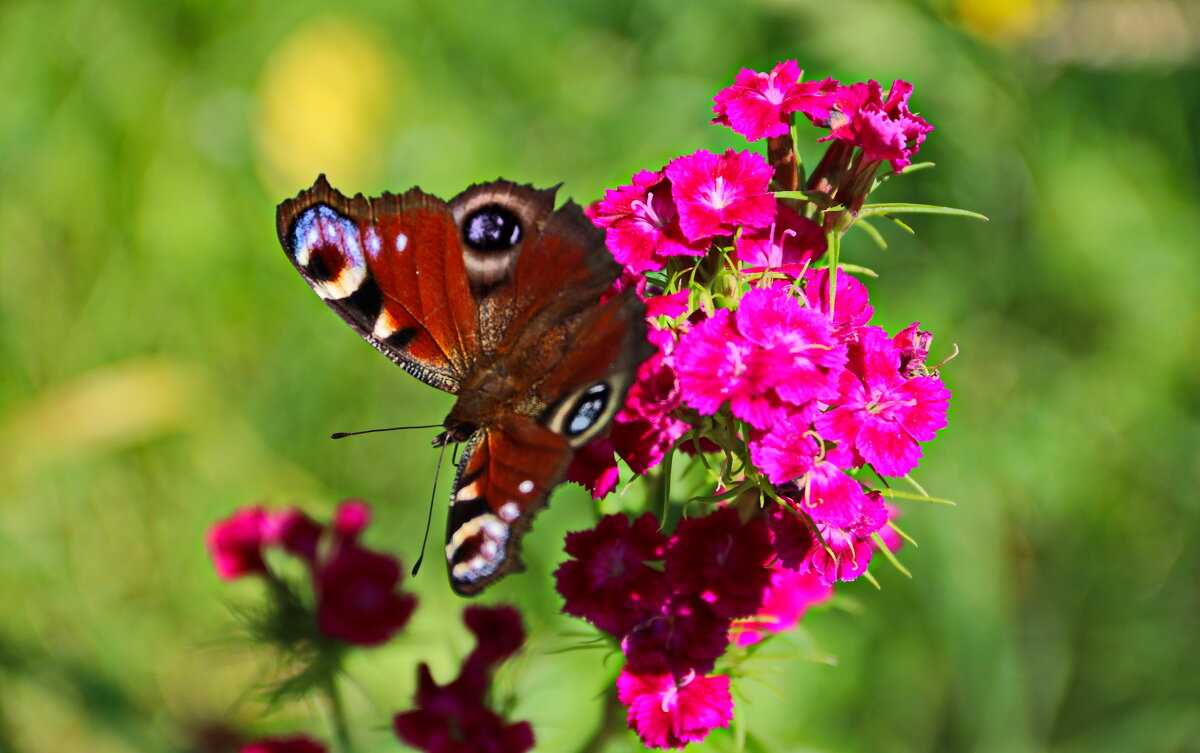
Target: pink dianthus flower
[788, 245]
[758, 104]
[670, 713]
[771, 359]
[715, 193]
[885, 130]
[880, 415]
[642, 224]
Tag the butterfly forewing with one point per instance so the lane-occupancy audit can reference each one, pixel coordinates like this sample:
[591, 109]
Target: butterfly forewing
[391, 268]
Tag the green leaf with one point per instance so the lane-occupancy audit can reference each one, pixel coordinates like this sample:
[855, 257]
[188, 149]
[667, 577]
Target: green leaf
[903, 225]
[893, 494]
[856, 269]
[888, 555]
[818, 197]
[870, 210]
[870, 230]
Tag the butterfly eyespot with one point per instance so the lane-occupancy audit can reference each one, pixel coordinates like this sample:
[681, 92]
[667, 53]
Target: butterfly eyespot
[491, 228]
[587, 410]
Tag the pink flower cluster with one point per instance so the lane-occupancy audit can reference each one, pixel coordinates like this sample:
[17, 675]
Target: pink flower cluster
[760, 105]
[820, 391]
[357, 600]
[767, 354]
[454, 718]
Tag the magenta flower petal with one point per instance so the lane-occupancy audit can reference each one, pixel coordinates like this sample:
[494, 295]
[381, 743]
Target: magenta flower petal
[787, 599]
[881, 415]
[784, 452]
[831, 497]
[884, 130]
[716, 193]
[786, 245]
[851, 307]
[642, 224]
[670, 713]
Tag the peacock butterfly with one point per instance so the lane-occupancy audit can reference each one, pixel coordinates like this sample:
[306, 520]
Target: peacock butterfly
[493, 296]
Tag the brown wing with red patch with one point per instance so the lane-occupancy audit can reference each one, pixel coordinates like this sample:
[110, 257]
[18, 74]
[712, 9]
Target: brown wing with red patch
[392, 267]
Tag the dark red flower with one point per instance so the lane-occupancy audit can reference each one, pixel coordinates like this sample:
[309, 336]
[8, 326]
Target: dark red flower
[498, 632]
[686, 635]
[357, 600]
[608, 582]
[722, 561]
[295, 533]
[297, 744]
[453, 719]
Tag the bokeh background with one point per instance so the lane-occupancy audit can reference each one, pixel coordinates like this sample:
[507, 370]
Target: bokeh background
[161, 363]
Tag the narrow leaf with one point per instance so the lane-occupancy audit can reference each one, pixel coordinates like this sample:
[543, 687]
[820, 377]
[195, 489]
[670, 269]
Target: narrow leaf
[894, 494]
[869, 210]
[870, 230]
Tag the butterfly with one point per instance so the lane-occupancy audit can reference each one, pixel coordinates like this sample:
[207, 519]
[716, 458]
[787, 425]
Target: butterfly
[493, 296]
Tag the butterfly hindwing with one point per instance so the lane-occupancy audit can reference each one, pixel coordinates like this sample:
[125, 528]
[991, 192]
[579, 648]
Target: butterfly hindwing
[505, 476]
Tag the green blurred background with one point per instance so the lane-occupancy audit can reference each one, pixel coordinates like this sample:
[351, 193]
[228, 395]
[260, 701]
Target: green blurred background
[163, 364]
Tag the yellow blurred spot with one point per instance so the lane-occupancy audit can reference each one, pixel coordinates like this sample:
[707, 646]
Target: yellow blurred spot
[324, 94]
[1004, 20]
[111, 407]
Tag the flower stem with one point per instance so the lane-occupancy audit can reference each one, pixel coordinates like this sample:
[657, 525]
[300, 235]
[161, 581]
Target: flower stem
[337, 716]
[835, 252]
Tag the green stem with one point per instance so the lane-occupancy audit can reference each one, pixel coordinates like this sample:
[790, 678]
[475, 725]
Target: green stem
[337, 716]
[835, 252]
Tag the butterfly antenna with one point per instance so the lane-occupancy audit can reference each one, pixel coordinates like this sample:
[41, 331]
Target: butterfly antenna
[429, 516]
[340, 434]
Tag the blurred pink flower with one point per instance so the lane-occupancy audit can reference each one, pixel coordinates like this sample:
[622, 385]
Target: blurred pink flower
[787, 599]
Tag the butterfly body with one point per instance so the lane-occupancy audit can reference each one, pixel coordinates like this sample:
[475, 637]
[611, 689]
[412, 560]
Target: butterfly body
[495, 297]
